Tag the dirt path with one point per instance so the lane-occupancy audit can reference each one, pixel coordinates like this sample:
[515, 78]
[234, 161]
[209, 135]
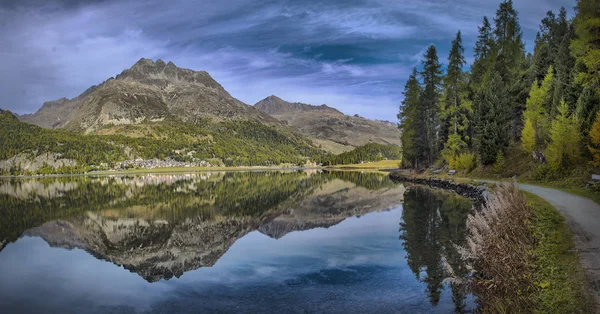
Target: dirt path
[583, 216]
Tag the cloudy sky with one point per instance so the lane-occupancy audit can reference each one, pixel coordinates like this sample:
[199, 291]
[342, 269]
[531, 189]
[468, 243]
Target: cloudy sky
[353, 55]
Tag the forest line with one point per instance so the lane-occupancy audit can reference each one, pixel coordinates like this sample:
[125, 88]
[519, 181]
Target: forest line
[545, 102]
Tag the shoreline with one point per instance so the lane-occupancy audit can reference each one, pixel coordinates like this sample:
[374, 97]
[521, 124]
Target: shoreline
[559, 251]
[473, 192]
[161, 170]
[559, 247]
[354, 167]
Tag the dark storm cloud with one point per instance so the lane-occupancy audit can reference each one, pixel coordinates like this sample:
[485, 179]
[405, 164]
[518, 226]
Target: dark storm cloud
[354, 55]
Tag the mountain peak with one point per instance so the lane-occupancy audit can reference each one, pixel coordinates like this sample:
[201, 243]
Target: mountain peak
[274, 98]
[143, 62]
[159, 73]
[147, 64]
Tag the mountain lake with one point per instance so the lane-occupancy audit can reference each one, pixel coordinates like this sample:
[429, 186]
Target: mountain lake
[230, 242]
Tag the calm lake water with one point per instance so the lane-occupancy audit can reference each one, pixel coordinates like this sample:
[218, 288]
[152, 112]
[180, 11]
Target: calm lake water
[241, 242]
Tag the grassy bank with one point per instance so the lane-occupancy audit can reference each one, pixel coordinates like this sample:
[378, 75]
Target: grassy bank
[571, 179]
[523, 257]
[557, 271]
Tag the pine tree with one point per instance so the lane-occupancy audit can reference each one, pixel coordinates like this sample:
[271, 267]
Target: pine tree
[594, 146]
[483, 48]
[493, 122]
[408, 120]
[430, 101]
[586, 46]
[551, 33]
[481, 67]
[564, 139]
[457, 108]
[587, 106]
[510, 50]
[564, 63]
[541, 57]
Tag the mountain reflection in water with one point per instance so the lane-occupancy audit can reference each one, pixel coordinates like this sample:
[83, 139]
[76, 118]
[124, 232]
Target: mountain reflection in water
[234, 235]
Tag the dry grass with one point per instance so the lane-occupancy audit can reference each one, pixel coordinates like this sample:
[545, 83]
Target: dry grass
[500, 250]
[522, 257]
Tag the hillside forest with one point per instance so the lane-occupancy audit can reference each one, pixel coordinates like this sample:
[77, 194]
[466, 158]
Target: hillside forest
[541, 107]
[227, 143]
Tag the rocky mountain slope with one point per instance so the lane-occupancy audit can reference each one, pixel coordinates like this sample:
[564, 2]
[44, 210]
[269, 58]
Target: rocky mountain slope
[328, 127]
[54, 114]
[148, 91]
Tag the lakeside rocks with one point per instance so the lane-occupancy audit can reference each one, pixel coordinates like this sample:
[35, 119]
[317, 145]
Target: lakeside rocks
[467, 190]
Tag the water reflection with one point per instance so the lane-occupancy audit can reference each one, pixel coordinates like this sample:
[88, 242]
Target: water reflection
[433, 225]
[160, 226]
[236, 237]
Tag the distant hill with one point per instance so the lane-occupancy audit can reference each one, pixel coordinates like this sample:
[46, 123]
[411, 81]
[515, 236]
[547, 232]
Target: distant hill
[328, 127]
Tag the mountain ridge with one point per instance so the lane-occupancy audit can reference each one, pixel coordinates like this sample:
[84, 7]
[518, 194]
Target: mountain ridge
[335, 131]
[275, 105]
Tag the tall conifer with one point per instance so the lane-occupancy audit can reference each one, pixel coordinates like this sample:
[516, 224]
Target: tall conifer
[430, 101]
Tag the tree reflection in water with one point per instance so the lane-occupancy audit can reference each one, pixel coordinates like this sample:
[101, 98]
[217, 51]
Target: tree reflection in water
[433, 225]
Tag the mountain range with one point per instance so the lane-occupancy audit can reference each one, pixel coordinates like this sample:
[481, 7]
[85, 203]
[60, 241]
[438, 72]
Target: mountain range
[166, 111]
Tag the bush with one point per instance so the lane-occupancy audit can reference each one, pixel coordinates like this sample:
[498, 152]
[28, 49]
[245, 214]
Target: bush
[542, 172]
[465, 161]
[450, 160]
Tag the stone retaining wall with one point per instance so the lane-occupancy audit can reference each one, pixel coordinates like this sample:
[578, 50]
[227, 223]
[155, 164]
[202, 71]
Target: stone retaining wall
[467, 190]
